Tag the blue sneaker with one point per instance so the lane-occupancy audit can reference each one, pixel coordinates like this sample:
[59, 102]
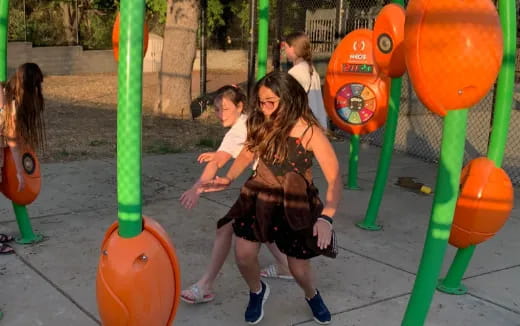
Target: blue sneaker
[255, 308]
[319, 309]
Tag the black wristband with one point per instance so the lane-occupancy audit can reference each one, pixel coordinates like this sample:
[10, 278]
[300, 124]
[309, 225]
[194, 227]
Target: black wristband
[326, 218]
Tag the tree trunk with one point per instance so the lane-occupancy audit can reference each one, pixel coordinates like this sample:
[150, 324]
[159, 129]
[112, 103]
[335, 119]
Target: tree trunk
[178, 55]
[69, 26]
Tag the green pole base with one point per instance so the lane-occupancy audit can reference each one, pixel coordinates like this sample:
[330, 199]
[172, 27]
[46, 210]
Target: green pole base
[352, 187]
[34, 238]
[459, 290]
[369, 227]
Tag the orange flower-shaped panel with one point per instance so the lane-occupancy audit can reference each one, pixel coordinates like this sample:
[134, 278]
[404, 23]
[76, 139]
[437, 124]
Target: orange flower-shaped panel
[389, 40]
[453, 51]
[484, 204]
[115, 38]
[355, 94]
[138, 279]
[31, 175]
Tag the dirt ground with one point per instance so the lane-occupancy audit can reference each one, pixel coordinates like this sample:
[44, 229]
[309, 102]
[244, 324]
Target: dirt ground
[81, 118]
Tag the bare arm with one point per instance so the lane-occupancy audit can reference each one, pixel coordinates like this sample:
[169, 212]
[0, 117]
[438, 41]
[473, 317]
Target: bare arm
[190, 197]
[244, 159]
[210, 171]
[328, 162]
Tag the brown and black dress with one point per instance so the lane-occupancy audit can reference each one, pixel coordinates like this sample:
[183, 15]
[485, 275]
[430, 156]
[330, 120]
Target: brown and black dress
[280, 203]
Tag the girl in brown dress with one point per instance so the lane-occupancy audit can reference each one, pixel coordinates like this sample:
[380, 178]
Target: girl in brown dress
[280, 203]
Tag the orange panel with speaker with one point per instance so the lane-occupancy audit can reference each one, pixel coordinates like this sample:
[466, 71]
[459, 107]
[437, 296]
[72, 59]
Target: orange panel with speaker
[31, 175]
[484, 204]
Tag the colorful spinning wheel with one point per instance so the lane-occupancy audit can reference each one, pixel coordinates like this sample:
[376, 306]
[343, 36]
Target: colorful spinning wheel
[356, 103]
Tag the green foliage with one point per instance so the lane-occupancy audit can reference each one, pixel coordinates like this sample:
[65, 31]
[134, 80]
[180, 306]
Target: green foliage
[241, 10]
[214, 15]
[16, 25]
[96, 29]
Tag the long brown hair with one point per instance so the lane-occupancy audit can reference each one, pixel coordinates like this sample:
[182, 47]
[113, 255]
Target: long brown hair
[267, 136]
[302, 47]
[25, 89]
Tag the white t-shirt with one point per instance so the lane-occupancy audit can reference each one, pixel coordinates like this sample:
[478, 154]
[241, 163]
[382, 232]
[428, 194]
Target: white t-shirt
[312, 85]
[235, 137]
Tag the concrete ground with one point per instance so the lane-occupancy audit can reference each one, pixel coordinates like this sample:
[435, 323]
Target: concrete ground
[369, 284]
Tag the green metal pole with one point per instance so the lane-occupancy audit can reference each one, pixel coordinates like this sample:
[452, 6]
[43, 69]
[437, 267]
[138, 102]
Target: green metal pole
[445, 198]
[129, 193]
[22, 217]
[369, 223]
[503, 103]
[353, 163]
[4, 24]
[263, 37]
[27, 235]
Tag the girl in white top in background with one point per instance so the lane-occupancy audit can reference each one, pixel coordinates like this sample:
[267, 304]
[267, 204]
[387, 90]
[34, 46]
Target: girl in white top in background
[229, 104]
[298, 50]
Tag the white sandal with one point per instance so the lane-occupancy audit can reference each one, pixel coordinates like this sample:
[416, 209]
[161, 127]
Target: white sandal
[195, 295]
[271, 271]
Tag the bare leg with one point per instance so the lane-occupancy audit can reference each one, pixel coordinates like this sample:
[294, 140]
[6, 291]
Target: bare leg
[281, 259]
[302, 272]
[219, 253]
[246, 253]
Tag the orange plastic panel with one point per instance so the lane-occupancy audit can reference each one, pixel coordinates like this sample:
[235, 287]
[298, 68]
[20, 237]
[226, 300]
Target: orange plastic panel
[389, 40]
[115, 38]
[31, 175]
[355, 94]
[453, 51]
[485, 202]
[138, 279]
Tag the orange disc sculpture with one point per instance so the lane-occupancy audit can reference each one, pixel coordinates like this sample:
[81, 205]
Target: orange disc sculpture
[355, 93]
[453, 51]
[137, 278]
[115, 38]
[485, 202]
[31, 176]
[389, 40]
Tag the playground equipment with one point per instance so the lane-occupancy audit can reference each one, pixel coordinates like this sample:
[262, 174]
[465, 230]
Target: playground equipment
[31, 175]
[30, 162]
[485, 202]
[138, 276]
[115, 37]
[358, 79]
[459, 59]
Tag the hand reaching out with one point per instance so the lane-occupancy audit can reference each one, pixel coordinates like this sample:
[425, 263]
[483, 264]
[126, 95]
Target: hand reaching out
[206, 157]
[217, 184]
[190, 197]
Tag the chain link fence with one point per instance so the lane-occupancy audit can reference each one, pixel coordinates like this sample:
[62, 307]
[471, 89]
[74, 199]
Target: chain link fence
[419, 131]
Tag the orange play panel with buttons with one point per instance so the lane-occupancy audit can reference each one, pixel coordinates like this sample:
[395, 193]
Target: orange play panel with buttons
[388, 40]
[31, 176]
[355, 93]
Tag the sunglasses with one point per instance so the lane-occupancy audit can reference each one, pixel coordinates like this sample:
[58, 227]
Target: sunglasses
[268, 104]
